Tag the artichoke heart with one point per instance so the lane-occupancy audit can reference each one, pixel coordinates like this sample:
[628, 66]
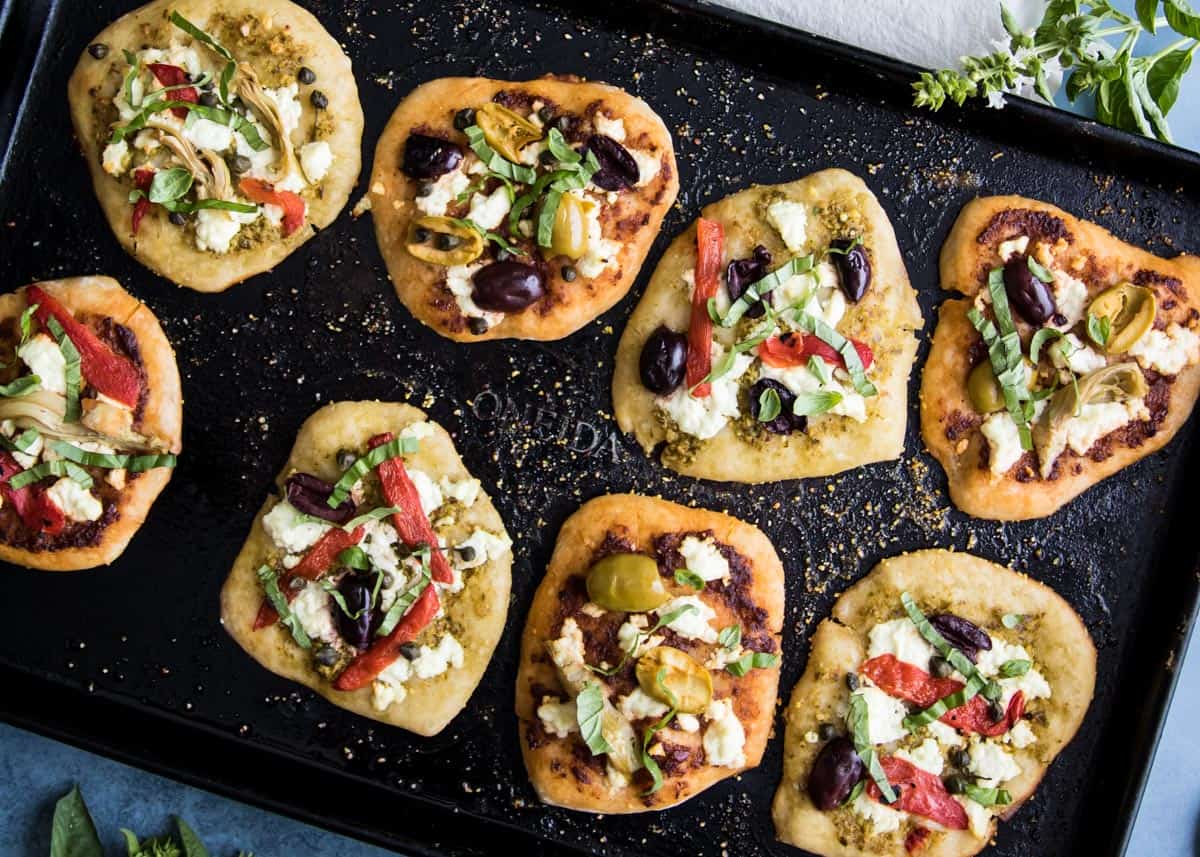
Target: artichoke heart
[1114, 384]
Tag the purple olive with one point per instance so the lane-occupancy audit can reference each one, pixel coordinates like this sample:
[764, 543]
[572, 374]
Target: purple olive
[428, 157]
[310, 495]
[507, 286]
[618, 170]
[663, 363]
[1028, 295]
[785, 422]
[355, 590]
[742, 272]
[835, 773]
[853, 267]
[964, 635]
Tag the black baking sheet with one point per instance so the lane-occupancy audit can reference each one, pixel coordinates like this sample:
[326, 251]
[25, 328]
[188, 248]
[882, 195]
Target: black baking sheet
[131, 660]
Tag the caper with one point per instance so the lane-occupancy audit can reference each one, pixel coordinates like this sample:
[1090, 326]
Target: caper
[446, 242]
[208, 99]
[569, 236]
[326, 656]
[546, 113]
[628, 582]
[547, 158]
[852, 681]
[673, 676]
[452, 244]
[345, 458]
[421, 235]
[569, 273]
[98, 51]
[984, 390]
[410, 651]
[940, 667]
[466, 553]
[240, 164]
[464, 119]
[319, 99]
[826, 731]
[956, 784]
[424, 188]
[306, 76]
[960, 758]
[1130, 311]
[297, 583]
[177, 218]
[506, 131]
[477, 325]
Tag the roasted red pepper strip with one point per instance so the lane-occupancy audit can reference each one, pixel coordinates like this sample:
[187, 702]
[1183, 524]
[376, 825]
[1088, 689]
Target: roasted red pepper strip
[410, 522]
[917, 839]
[383, 652]
[37, 511]
[109, 372]
[920, 793]
[976, 716]
[264, 193]
[173, 75]
[321, 557]
[710, 242]
[141, 179]
[792, 349]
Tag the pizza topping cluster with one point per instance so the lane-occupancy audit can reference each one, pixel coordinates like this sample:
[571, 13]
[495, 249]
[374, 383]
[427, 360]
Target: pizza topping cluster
[932, 717]
[71, 433]
[763, 338]
[648, 675]
[361, 567]
[1069, 364]
[195, 133]
[526, 192]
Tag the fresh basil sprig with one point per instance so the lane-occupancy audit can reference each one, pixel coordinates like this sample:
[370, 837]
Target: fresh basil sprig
[589, 714]
[366, 463]
[752, 661]
[860, 734]
[269, 579]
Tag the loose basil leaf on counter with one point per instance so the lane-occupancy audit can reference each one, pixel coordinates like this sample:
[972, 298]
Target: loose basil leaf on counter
[843, 346]
[269, 579]
[756, 290]
[52, 468]
[496, 163]
[751, 661]
[650, 763]
[366, 463]
[987, 797]
[860, 734]
[1014, 668]
[73, 833]
[354, 557]
[589, 714]
[71, 373]
[192, 846]
[687, 577]
[730, 637]
[975, 681]
[1040, 338]
[811, 404]
[1012, 620]
[21, 386]
[408, 597]
[1036, 268]
[366, 518]
[107, 461]
[769, 405]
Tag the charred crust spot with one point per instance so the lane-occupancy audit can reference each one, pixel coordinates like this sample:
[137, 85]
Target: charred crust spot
[1146, 277]
[535, 735]
[583, 763]
[1038, 225]
[959, 424]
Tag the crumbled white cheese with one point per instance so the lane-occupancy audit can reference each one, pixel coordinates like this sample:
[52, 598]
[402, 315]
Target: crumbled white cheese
[1168, 351]
[147, 141]
[418, 430]
[883, 819]
[443, 192]
[459, 281]
[45, 359]
[648, 165]
[885, 715]
[215, 229]
[602, 253]
[1020, 735]
[29, 457]
[384, 694]
[979, 817]
[946, 736]
[315, 159]
[1096, 421]
[614, 128]
[489, 211]
[640, 705]
[531, 153]
[1013, 247]
[790, 220]
[1004, 442]
[704, 558]
[116, 158]
[287, 105]
[724, 739]
[628, 633]
[704, 417]
[206, 134]
[1070, 298]
[721, 298]
[992, 763]
[569, 656]
[427, 491]
[486, 546]
[74, 501]
[313, 608]
[1071, 353]
[688, 722]
[465, 491]
[379, 544]
[431, 662]
[592, 609]
[560, 719]
[927, 756]
[692, 624]
[901, 638]
[290, 529]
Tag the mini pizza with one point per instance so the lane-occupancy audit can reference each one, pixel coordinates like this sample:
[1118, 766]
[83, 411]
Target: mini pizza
[775, 338]
[509, 210]
[380, 575]
[935, 698]
[1071, 356]
[90, 421]
[650, 659]
[221, 134]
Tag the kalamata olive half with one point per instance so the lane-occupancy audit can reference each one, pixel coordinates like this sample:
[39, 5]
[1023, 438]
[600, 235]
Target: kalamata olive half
[507, 286]
[1028, 295]
[743, 272]
[964, 635]
[428, 157]
[785, 422]
[853, 267]
[663, 363]
[356, 592]
[618, 170]
[835, 773]
[310, 495]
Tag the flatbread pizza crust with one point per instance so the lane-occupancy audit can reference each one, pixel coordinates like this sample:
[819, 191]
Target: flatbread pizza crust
[948, 421]
[552, 762]
[634, 220]
[162, 414]
[478, 612]
[886, 319]
[939, 581]
[170, 250]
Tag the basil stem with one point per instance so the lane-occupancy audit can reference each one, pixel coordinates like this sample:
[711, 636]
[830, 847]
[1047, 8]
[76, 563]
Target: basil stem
[270, 584]
[362, 465]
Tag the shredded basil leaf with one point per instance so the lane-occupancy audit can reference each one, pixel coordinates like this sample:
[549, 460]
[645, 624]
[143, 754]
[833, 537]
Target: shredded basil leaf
[589, 714]
[1040, 338]
[752, 661]
[72, 373]
[108, 461]
[354, 557]
[21, 386]
[408, 597]
[183, 206]
[714, 314]
[1036, 268]
[731, 637]
[650, 763]
[843, 251]
[198, 34]
[562, 151]
[27, 323]
[494, 162]
[756, 290]
[975, 681]
[1014, 668]
[234, 120]
[169, 185]
[987, 797]
[373, 515]
[843, 346]
[270, 584]
[769, 405]
[689, 578]
[861, 735]
[362, 465]
[52, 468]
[330, 587]
[811, 404]
[725, 364]
[1012, 620]
[820, 369]
[1004, 352]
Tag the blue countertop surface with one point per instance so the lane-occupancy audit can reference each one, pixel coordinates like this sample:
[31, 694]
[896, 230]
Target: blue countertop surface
[35, 772]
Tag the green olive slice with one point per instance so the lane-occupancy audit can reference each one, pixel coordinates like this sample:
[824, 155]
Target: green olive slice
[683, 676]
[506, 131]
[628, 582]
[570, 234]
[443, 242]
[1130, 311]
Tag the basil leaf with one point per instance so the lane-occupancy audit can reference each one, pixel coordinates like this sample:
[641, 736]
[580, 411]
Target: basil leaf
[1165, 74]
[987, 797]
[27, 324]
[1012, 620]
[373, 515]
[1004, 352]
[198, 34]
[589, 711]
[730, 637]
[860, 734]
[769, 405]
[21, 386]
[725, 364]
[820, 369]
[843, 251]
[975, 681]
[107, 461]
[407, 598]
[843, 346]
[855, 792]
[528, 198]
[756, 290]
[363, 464]
[192, 846]
[22, 442]
[236, 121]
[663, 620]
[687, 577]
[183, 206]
[269, 579]
[494, 162]
[71, 373]
[1036, 268]
[1014, 668]
[562, 151]
[1147, 11]
[650, 763]
[135, 68]
[73, 833]
[714, 314]
[545, 221]
[1040, 338]
[1099, 329]
[811, 404]
[752, 661]
[354, 557]
[1182, 18]
[52, 468]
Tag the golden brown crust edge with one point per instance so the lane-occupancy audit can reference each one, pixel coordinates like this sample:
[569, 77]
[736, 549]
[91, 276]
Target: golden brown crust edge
[943, 384]
[945, 581]
[641, 519]
[419, 285]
